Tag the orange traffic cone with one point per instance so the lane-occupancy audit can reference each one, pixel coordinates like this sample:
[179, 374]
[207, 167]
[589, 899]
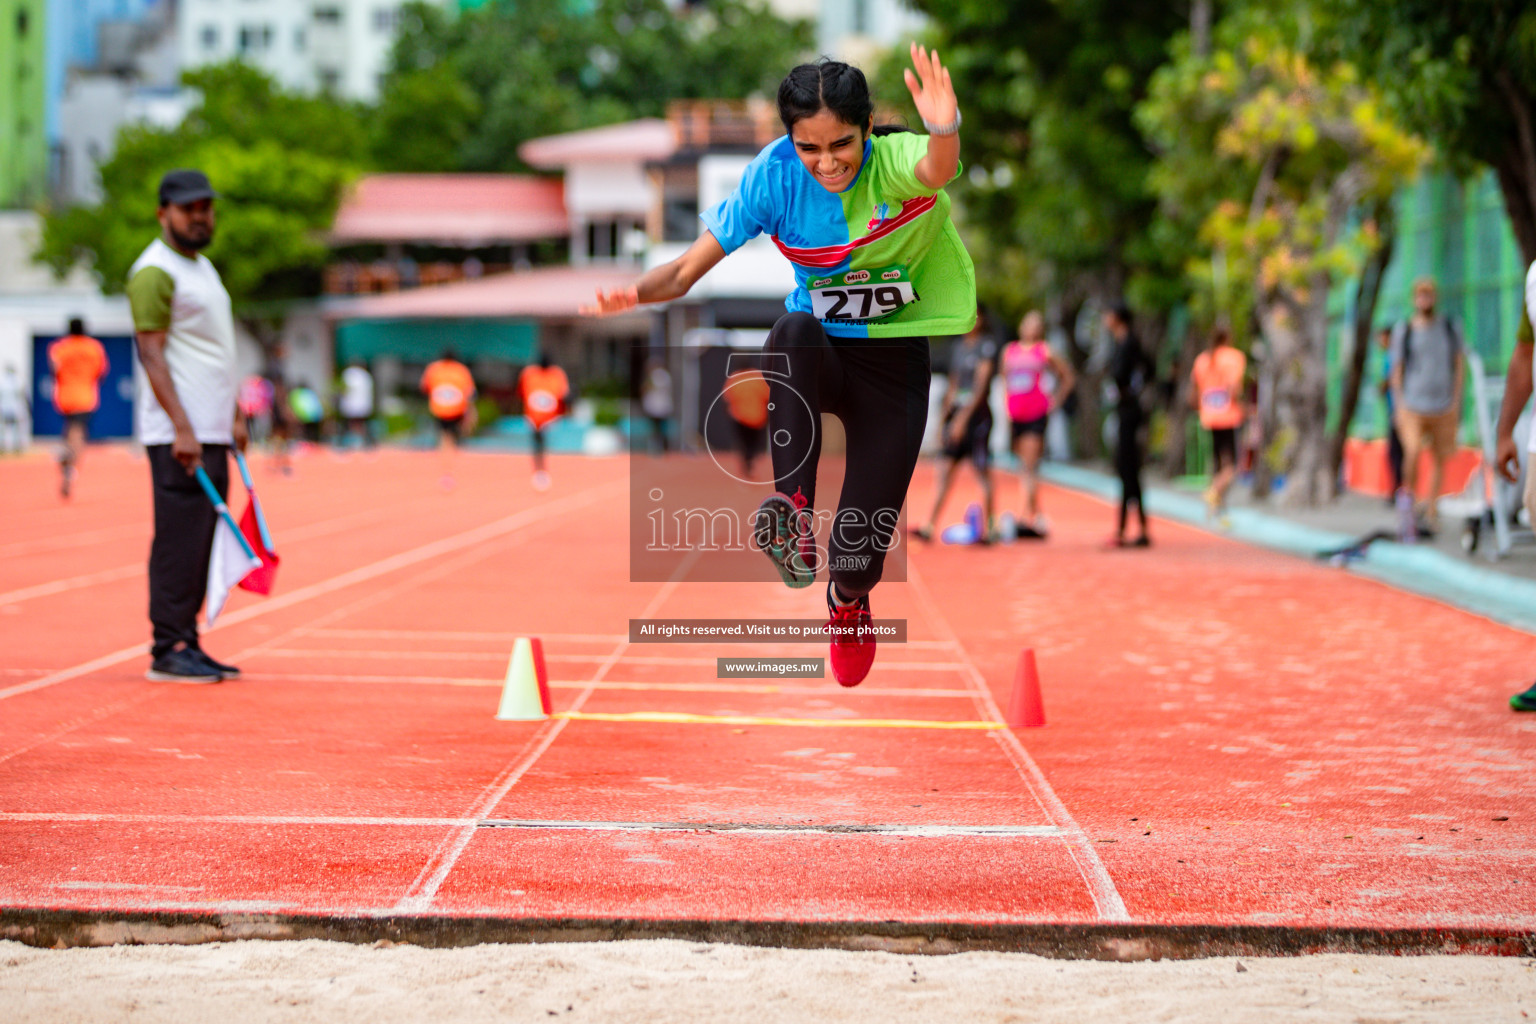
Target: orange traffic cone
[1026, 708]
[525, 696]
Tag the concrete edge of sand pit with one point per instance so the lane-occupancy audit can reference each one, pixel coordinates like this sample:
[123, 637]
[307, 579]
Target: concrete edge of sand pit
[65, 929]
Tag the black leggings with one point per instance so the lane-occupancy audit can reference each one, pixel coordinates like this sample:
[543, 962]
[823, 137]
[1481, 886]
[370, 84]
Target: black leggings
[879, 389]
[1128, 468]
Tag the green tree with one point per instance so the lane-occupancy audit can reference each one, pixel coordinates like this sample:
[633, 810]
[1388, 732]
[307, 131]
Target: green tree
[279, 162]
[1463, 74]
[1296, 148]
[1056, 204]
[503, 73]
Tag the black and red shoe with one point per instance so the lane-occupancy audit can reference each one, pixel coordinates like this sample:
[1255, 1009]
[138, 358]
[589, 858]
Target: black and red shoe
[853, 639]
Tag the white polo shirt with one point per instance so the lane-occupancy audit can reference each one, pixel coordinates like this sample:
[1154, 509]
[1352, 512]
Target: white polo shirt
[185, 298]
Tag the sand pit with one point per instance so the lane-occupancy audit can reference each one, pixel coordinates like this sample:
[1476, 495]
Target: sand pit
[660, 981]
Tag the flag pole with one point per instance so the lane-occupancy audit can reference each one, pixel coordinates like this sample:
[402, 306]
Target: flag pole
[250, 488]
[223, 511]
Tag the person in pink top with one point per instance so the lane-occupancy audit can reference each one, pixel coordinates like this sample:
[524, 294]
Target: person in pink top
[1025, 365]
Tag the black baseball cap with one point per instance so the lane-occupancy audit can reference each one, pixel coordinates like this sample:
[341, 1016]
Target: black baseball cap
[182, 187]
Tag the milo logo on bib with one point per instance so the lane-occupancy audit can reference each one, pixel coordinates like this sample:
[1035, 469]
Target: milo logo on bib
[861, 296]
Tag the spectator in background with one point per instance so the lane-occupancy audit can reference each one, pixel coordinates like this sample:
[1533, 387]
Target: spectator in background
[544, 390]
[14, 404]
[1134, 375]
[1394, 440]
[255, 404]
[308, 411]
[1428, 369]
[656, 402]
[746, 399]
[450, 391]
[1036, 381]
[966, 416]
[78, 362]
[1218, 376]
[355, 403]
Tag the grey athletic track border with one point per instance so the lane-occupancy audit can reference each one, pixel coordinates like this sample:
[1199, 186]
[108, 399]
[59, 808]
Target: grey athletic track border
[1418, 568]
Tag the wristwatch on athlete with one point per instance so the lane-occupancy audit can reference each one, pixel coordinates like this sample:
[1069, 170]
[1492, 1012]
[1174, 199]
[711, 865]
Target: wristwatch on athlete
[943, 129]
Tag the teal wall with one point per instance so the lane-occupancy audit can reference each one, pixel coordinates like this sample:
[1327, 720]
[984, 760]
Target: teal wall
[1456, 232]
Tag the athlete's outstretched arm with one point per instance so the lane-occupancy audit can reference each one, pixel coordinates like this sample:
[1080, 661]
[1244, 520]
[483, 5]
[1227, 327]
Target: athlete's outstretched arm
[659, 284]
[934, 96]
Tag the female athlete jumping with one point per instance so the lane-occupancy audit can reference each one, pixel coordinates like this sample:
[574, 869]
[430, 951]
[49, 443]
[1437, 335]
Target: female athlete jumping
[879, 267]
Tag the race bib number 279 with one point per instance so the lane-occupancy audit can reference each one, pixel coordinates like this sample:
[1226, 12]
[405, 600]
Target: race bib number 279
[860, 295]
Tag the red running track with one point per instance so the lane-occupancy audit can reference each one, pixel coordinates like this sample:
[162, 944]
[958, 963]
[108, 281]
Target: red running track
[1235, 737]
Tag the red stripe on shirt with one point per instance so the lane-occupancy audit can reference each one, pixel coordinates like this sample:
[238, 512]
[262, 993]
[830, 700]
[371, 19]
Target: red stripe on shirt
[832, 255]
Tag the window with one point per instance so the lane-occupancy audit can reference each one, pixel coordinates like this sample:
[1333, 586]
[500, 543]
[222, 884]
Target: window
[860, 17]
[330, 79]
[23, 21]
[210, 37]
[328, 15]
[298, 39]
[255, 38]
[385, 19]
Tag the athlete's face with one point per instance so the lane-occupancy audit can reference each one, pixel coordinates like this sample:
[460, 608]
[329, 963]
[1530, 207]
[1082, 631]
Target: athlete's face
[831, 148]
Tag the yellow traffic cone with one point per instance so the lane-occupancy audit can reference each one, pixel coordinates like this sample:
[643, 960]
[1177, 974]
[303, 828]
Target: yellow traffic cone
[525, 697]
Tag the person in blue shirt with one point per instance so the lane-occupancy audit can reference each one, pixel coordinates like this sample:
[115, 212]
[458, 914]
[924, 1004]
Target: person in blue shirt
[861, 215]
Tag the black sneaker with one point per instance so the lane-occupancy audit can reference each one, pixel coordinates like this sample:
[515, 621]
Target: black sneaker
[184, 665]
[227, 671]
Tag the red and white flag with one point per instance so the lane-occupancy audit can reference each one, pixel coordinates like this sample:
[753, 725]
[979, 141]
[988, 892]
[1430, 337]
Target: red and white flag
[254, 525]
[231, 562]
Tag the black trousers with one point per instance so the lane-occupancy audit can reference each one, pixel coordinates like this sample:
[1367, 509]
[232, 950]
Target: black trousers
[878, 387]
[178, 556]
[1128, 456]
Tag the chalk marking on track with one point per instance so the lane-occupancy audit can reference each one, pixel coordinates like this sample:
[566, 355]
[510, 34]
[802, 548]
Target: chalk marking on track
[423, 891]
[760, 828]
[89, 579]
[501, 656]
[65, 543]
[123, 572]
[1101, 887]
[679, 718]
[80, 723]
[577, 684]
[926, 831]
[435, 549]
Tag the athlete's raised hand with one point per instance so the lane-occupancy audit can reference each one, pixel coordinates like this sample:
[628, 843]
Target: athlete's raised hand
[614, 300]
[932, 92]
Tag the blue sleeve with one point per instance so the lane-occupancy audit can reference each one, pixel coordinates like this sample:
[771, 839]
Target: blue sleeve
[748, 211]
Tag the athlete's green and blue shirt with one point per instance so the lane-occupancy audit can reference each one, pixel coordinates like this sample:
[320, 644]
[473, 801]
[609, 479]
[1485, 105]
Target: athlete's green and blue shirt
[880, 259]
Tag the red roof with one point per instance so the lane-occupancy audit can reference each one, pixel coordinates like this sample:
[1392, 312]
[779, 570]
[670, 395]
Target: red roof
[544, 292]
[644, 140]
[458, 210]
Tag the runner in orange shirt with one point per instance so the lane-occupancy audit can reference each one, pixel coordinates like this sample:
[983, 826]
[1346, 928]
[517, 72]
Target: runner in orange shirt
[450, 390]
[1218, 394]
[544, 390]
[79, 362]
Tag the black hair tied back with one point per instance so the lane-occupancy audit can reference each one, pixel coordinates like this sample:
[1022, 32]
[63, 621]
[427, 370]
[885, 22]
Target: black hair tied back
[827, 84]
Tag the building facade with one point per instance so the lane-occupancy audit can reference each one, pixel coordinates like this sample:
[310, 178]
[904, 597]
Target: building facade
[23, 103]
[336, 46]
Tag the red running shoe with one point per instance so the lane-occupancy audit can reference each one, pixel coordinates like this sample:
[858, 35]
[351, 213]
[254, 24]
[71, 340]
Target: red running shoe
[853, 639]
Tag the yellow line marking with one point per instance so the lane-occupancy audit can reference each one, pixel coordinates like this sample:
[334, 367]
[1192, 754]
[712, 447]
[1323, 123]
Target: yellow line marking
[678, 718]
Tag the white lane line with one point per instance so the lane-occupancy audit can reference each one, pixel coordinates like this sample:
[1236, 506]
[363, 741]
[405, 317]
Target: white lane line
[70, 541]
[423, 891]
[406, 654]
[1101, 887]
[577, 684]
[89, 579]
[761, 829]
[435, 549]
[853, 830]
[139, 568]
